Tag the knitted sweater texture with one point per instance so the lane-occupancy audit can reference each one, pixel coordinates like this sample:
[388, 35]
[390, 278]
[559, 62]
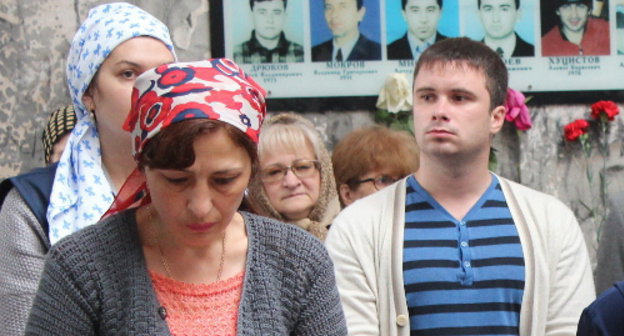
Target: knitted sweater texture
[95, 282]
[23, 245]
[200, 309]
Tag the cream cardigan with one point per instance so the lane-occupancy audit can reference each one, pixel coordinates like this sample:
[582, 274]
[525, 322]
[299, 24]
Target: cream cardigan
[366, 245]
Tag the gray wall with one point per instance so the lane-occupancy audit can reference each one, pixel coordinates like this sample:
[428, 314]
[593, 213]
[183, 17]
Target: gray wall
[35, 35]
[34, 40]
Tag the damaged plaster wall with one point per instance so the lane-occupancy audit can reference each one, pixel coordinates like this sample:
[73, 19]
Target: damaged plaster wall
[34, 41]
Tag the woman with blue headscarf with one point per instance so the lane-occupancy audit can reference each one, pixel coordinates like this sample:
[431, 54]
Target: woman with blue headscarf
[116, 43]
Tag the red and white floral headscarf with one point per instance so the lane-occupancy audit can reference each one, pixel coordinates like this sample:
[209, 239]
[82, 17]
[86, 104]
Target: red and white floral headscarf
[216, 89]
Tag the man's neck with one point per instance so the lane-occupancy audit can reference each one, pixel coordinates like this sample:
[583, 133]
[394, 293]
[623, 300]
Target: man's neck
[457, 186]
[575, 37]
[344, 39]
[268, 44]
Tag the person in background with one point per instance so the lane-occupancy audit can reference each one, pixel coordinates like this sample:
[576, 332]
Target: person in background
[370, 159]
[499, 18]
[605, 316]
[173, 255]
[295, 182]
[115, 43]
[422, 17]
[56, 133]
[578, 33]
[267, 43]
[454, 249]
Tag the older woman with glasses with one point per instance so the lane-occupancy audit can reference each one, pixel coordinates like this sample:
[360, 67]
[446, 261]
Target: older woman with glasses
[295, 183]
[372, 158]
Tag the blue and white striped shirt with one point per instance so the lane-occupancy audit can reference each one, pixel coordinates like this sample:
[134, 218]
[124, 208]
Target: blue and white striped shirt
[462, 277]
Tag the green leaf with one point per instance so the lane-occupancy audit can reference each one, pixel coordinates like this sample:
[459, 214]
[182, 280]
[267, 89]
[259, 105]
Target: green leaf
[382, 116]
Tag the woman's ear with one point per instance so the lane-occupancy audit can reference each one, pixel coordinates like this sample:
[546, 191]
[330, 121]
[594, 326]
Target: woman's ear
[88, 102]
[345, 194]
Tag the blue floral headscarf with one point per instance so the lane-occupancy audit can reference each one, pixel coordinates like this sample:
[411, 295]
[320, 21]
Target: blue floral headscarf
[81, 192]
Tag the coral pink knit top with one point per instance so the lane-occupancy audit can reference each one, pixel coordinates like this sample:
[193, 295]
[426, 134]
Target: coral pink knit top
[199, 309]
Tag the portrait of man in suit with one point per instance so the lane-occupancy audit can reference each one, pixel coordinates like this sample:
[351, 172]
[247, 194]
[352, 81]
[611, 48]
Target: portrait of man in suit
[347, 43]
[499, 19]
[422, 17]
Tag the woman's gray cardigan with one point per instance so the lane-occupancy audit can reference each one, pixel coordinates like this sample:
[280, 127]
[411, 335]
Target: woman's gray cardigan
[95, 282]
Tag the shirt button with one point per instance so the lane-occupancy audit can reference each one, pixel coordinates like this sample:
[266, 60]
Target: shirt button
[162, 312]
[401, 320]
[462, 223]
[464, 244]
[467, 263]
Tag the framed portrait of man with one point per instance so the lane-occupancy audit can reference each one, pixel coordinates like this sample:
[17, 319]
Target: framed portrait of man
[269, 34]
[570, 28]
[414, 25]
[345, 30]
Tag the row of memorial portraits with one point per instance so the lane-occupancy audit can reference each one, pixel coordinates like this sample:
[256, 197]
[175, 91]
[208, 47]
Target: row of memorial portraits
[351, 30]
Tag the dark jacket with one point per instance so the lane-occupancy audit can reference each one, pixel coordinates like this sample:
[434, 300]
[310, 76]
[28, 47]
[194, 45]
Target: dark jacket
[35, 188]
[523, 48]
[364, 50]
[605, 316]
[400, 49]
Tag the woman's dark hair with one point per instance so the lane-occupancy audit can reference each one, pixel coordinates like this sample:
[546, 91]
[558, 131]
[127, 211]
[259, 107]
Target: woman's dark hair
[172, 148]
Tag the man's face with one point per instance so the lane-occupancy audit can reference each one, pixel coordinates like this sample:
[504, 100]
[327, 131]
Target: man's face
[573, 16]
[343, 17]
[498, 17]
[452, 115]
[422, 17]
[268, 18]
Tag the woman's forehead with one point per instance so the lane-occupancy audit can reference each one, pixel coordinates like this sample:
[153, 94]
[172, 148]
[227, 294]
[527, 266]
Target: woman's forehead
[280, 150]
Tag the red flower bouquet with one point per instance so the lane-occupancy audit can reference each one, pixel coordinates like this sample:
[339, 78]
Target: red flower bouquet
[602, 113]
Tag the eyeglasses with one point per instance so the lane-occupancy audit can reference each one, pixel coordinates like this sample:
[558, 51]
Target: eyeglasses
[301, 169]
[379, 182]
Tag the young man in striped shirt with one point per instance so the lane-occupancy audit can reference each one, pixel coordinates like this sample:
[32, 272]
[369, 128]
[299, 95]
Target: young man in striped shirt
[454, 249]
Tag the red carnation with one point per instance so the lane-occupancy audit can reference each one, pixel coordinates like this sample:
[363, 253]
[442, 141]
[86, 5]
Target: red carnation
[604, 107]
[575, 129]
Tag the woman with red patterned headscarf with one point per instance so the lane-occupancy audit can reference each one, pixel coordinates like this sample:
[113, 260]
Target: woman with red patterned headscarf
[174, 255]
